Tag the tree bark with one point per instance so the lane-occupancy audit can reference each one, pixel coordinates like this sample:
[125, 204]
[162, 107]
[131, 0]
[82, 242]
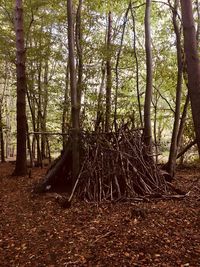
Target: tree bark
[100, 111]
[21, 161]
[109, 75]
[198, 22]
[79, 53]
[193, 64]
[136, 66]
[155, 105]
[66, 104]
[117, 66]
[149, 77]
[174, 141]
[2, 143]
[2, 138]
[75, 108]
[183, 120]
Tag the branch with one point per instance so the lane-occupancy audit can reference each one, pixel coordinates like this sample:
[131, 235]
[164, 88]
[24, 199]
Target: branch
[164, 98]
[186, 148]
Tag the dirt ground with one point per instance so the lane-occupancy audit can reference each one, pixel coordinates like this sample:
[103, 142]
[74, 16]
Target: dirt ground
[36, 231]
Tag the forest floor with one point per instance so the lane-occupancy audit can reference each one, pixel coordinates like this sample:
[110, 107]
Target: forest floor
[36, 231]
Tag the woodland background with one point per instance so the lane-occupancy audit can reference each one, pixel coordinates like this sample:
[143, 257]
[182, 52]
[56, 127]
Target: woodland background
[111, 91]
[110, 58]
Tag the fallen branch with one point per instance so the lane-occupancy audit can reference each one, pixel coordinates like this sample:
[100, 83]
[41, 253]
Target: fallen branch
[191, 144]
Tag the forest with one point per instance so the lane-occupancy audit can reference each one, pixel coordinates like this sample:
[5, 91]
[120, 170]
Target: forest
[99, 133]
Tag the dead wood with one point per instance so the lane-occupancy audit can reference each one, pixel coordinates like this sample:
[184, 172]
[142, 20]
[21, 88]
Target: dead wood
[191, 144]
[114, 166]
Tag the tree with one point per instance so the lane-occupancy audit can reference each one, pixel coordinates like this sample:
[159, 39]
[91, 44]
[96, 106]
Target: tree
[75, 107]
[136, 65]
[117, 65]
[108, 74]
[1, 118]
[79, 42]
[1, 137]
[100, 30]
[149, 77]
[174, 142]
[193, 64]
[21, 164]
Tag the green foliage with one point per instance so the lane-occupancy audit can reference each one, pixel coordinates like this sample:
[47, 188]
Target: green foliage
[47, 59]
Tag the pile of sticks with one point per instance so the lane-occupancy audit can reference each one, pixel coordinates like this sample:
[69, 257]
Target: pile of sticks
[117, 166]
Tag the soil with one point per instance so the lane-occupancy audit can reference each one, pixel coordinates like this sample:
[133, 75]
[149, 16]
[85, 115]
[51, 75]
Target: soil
[36, 231]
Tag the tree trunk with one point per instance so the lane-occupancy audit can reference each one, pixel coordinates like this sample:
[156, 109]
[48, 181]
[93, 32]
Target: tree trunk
[155, 105]
[44, 138]
[109, 75]
[75, 108]
[2, 138]
[149, 76]
[21, 161]
[80, 54]
[117, 66]
[100, 111]
[65, 112]
[29, 145]
[174, 142]
[39, 110]
[193, 65]
[2, 145]
[198, 22]
[182, 121]
[35, 139]
[136, 66]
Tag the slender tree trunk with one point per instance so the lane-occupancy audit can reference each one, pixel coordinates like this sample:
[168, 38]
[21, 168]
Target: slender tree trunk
[193, 64]
[1, 119]
[136, 66]
[117, 66]
[35, 138]
[109, 75]
[75, 108]
[7, 139]
[186, 105]
[29, 145]
[2, 138]
[155, 105]
[100, 111]
[21, 161]
[32, 101]
[174, 141]
[65, 107]
[183, 120]
[44, 138]
[80, 54]
[149, 77]
[198, 22]
[39, 111]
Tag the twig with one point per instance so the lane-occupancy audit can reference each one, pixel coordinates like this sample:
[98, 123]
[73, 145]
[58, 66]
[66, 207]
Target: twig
[102, 236]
